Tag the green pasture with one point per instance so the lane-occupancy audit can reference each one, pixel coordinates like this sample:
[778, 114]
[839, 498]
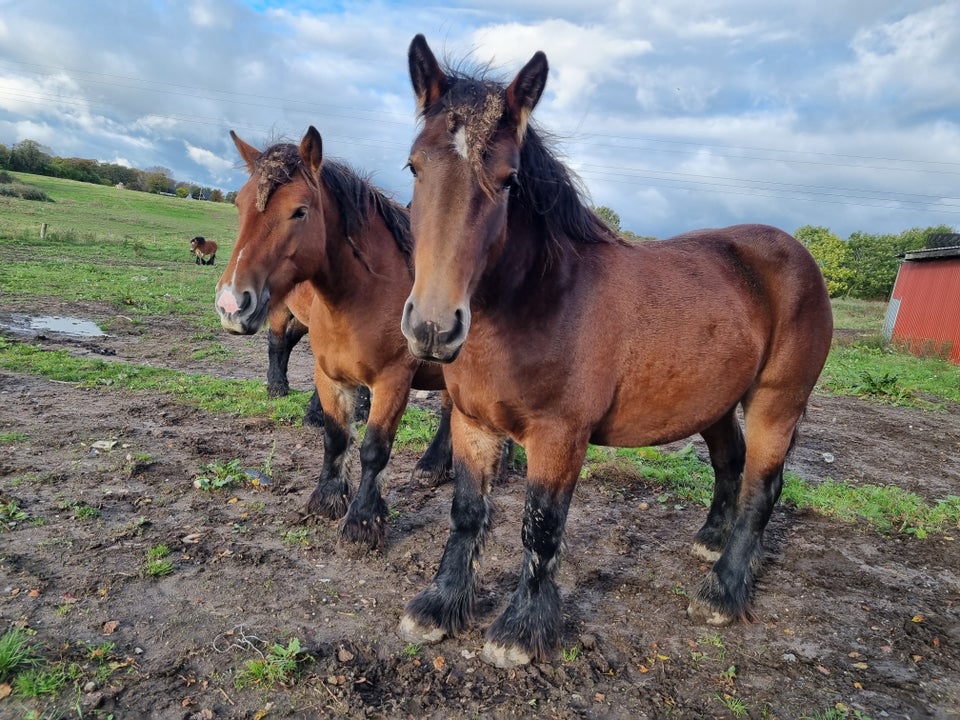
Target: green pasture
[130, 250]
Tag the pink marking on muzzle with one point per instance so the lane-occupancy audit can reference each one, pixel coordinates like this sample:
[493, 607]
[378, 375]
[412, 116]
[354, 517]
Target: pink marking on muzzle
[227, 302]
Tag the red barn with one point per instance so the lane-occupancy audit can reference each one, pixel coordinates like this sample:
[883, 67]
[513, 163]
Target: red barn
[924, 311]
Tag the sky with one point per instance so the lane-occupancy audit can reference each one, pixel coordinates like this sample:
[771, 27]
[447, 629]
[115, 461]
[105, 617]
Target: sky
[676, 114]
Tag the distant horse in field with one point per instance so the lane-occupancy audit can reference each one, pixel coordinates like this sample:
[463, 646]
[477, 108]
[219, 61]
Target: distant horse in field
[558, 333]
[287, 323]
[205, 251]
[303, 218]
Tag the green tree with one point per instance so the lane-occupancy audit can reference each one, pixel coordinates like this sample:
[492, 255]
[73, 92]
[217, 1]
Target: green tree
[27, 156]
[609, 217]
[832, 255]
[158, 182]
[4, 156]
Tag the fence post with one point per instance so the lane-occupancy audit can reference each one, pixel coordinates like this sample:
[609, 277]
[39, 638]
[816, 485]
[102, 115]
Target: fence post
[43, 231]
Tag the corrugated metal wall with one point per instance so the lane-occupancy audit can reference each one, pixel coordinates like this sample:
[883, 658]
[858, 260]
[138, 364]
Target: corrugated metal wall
[928, 318]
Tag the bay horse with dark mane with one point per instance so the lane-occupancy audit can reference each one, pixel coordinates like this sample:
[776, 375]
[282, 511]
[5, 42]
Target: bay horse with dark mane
[303, 218]
[205, 251]
[557, 333]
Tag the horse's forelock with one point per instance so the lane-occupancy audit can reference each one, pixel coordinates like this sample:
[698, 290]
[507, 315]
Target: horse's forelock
[276, 166]
[474, 111]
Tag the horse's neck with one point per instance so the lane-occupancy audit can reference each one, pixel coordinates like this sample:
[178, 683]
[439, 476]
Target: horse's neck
[343, 275]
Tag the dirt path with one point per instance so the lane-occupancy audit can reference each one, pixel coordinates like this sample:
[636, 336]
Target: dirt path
[844, 615]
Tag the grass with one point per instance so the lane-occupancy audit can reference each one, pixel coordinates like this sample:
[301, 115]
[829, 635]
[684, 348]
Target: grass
[279, 665]
[16, 653]
[245, 398]
[10, 438]
[685, 479]
[156, 564]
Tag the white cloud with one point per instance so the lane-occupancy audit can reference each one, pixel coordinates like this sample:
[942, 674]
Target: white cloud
[913, 60]
[209, 160]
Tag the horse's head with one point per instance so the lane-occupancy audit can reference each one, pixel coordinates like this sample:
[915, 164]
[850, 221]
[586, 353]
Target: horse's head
[196, 242]
[465, 162]
[281, 227]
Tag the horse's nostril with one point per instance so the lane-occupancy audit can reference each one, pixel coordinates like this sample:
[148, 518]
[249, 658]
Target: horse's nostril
[246, 300]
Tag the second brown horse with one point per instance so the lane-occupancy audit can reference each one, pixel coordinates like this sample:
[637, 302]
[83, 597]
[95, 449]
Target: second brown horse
[302, 218]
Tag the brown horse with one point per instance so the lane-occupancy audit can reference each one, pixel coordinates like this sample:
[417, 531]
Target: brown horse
[287, 323]
[205, 251]
[558, 333]
[306, 219]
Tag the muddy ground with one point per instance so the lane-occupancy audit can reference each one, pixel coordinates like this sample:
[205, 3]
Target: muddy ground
[847, 619]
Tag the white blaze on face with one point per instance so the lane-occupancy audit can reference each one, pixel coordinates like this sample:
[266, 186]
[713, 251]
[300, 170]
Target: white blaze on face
[460, 141]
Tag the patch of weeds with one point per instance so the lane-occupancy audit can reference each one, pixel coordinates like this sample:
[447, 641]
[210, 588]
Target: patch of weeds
[213, 351]
[10, 515]
[11, 438]
[297, 536]
[729, 675]
[736, 706]
[85, 512]
[568, 655]
[412, 650]
[715, 641]
[280, 665]
[156, 564]
[38, 682]
[217, 475]
[16, 653]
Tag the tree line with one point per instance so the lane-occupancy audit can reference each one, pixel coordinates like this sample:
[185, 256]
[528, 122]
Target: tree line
[29, 156]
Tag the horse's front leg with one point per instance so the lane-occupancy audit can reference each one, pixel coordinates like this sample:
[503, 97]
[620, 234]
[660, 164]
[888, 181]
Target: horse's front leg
[445, 606]
[332, 493]
[529, 628]
[366, 518]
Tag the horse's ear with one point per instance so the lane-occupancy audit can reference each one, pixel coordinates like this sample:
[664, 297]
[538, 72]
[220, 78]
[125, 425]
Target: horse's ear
[429, 81]
[311, 150]
[248, 152]
[525, 91]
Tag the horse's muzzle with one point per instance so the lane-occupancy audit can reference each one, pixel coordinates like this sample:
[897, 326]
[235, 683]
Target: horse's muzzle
[241, 313]
[435, 341]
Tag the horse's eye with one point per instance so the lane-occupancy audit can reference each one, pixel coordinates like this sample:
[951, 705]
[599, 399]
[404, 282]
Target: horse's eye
[510, 182]
[299, 213]
[412, 169]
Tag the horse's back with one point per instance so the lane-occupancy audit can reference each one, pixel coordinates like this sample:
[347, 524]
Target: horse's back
[678, 331]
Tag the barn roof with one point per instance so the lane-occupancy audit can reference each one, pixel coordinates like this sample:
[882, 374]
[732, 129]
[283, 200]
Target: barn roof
[936, 253]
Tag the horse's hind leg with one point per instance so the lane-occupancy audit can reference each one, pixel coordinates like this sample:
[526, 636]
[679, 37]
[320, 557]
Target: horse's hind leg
[332, 493]
[434, 467]
[284, 333]
[725, 593]
[727, 455]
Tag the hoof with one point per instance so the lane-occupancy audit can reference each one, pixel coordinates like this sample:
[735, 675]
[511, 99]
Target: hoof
[700, 612]
[330, 506]
[276, 391]
[505, 656]
[370, 533]
[413, 632]
[699, 550]
[430, 477]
